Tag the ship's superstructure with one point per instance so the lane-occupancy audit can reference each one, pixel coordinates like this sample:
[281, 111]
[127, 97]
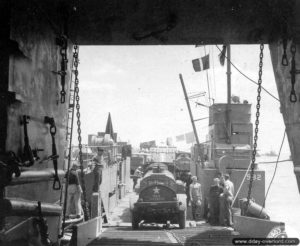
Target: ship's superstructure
[228, 149]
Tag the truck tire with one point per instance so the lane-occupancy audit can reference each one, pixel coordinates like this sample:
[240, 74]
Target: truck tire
[182, 219]
[134, 221]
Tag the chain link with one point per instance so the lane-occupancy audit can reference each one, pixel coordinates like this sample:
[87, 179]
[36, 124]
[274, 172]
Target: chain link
[284, 60]
[256, 124]
[77, 98]
[293, 96]
[63, 72]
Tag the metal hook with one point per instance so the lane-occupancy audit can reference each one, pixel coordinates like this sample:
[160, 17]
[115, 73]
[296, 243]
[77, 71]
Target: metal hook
[293, 97]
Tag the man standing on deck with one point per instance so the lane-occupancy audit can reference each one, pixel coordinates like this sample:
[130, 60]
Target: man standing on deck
[196, 197]
[74, 192]
[188, 182]
[226, 199]
[99, 164]
[137, 174]
[214, 206]
[229, 183]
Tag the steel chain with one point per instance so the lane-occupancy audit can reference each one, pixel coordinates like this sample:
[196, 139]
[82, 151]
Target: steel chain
[77, 98]
[256, 124]
[62, 72]
[284, 60]
[293, 96]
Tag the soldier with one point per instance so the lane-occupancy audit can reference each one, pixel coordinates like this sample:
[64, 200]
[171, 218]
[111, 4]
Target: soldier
[188, 181]
[97, 171]
[229, 183]
[225, 202]
[137, 174]
[214, 207]
[196, 196]
[74, 192]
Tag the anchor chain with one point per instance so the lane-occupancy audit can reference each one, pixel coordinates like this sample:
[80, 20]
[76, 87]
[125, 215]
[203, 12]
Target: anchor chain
[42, 224]
[63, 43]
[77, 98]
[293, 72]
[261, 55]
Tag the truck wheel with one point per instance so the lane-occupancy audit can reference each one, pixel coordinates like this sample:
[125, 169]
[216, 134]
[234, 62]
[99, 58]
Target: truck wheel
[182, 219]
[134, 221]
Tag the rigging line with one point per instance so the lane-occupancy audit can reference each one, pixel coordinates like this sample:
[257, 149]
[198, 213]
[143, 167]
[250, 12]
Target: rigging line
[249, 78]
[273, 173]
[239, 189]
[213, 67]
[208, 87]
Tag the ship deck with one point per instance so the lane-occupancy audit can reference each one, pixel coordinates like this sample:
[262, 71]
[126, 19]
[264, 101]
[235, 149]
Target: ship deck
[119, 231]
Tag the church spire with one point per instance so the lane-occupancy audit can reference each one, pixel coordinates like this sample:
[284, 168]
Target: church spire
[109, 128]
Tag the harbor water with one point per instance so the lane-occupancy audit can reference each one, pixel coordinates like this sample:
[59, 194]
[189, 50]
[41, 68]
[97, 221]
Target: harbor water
[283, 200]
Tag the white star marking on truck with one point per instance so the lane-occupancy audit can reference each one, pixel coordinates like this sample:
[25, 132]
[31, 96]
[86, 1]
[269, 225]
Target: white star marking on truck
[156, 190]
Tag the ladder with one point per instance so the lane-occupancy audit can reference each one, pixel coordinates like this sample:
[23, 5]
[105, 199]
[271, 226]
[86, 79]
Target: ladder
[68, 151]
[70, 117]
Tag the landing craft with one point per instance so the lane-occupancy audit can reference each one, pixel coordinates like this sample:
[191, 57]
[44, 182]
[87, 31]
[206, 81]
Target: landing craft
[230, 149]
[36, 66]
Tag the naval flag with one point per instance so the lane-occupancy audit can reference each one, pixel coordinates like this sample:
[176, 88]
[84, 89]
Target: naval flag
[222, 55]
[180, 138]
[201, 63]
[190, 137]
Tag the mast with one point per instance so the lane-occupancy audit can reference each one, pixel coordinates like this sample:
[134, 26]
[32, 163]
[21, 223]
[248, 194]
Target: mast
[228, 113]
[228, 76]
[190, 111]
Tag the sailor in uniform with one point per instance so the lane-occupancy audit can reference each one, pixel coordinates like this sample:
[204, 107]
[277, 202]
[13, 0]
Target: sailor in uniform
[226, 199]
[196, 197]
[97, 171]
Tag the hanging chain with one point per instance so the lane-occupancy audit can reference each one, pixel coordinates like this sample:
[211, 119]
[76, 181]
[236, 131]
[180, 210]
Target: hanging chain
[293, 96]
[62, 41]
[256, 124]
[76, 62]
[284, 60]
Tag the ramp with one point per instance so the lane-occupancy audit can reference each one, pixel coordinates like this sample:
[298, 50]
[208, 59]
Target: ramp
[202, 235]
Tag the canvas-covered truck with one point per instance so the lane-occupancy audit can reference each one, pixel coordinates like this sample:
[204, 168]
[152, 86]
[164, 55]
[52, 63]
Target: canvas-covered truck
[160, 198]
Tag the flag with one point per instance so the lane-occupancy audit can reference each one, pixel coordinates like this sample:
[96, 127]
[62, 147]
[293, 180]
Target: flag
[190, 137]
[201, 63]
[169, 141]
[222, 55]
[180, 138]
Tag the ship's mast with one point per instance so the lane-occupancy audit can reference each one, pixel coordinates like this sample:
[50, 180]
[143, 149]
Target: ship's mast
[228, 111]
[228, 76]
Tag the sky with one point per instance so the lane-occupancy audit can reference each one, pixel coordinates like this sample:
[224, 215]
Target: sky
[140, 87]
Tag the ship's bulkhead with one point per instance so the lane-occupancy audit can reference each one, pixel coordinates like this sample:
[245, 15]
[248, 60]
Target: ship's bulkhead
[32, 87]
[229, 150]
